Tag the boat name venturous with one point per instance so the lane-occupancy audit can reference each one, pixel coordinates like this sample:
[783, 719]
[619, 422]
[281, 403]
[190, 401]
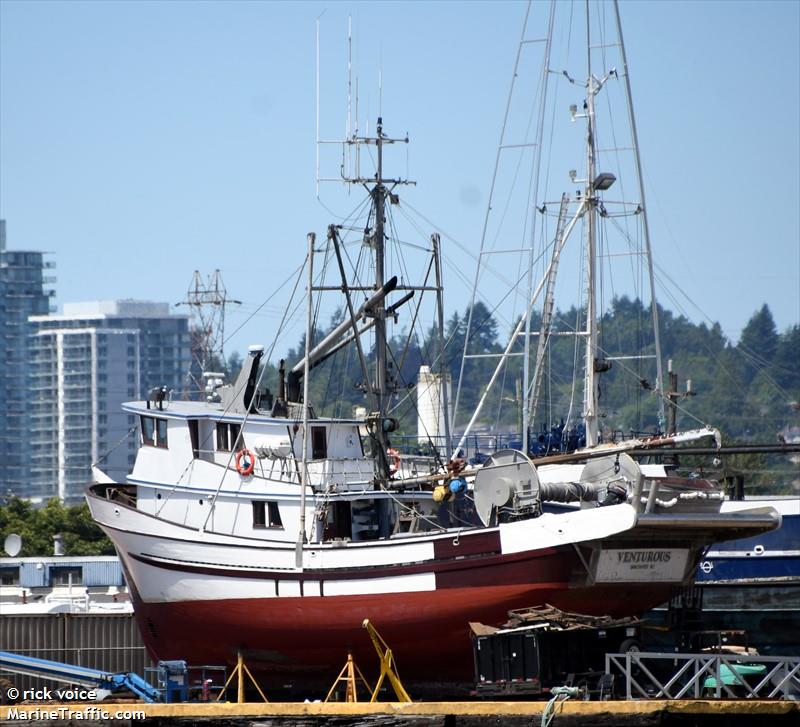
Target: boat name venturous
[632, 556]
[627, 565]
[252, 523]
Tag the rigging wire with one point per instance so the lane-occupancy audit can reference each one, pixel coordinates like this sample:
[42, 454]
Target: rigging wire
[211, 433]
[258, 308]
[658, 393]
[109, 451]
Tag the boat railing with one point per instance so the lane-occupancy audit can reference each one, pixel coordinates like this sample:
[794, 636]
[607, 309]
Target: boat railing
[479, 446]
[341, 471]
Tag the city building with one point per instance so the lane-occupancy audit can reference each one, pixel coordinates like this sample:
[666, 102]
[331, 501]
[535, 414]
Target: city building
[63, 584]
[23, 293]
[84, 364]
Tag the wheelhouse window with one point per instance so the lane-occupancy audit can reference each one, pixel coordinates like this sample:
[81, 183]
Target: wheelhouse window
[9, 576]
[227, 436]
[319, 444]
[66, 575]
[266, 515]
[161, 433]
[148, 425]
[194, 434]
[154, 432]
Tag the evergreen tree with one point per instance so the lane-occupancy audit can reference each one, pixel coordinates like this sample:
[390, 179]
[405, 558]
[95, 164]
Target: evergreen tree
[759, 337]
[787, 359]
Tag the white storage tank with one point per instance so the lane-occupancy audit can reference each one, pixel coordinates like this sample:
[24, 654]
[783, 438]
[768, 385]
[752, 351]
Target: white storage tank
[430, 406]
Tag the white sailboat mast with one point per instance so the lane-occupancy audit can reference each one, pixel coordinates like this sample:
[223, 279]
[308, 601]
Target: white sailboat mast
[645, 224]
[590, 390]
[301, 532]
[540, 127]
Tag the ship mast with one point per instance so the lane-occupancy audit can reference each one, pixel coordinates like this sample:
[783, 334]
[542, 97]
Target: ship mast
[594, 363]
[379, 423]
[379, 385]
[590, 388]
[379, 310]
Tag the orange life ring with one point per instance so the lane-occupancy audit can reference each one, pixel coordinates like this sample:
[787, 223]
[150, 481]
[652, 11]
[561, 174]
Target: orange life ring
[394, 457]
[245, 462]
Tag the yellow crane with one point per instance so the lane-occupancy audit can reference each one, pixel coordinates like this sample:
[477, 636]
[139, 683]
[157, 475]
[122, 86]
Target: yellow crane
[388, 667]
[350, 672]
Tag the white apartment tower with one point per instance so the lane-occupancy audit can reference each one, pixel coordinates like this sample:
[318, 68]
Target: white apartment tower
[85, 364]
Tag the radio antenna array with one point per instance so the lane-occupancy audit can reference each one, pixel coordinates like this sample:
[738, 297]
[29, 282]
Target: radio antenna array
[350, 165]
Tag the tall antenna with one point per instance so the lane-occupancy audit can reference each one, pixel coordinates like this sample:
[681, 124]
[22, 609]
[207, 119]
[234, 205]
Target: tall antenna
[207, 301]
[348, 167]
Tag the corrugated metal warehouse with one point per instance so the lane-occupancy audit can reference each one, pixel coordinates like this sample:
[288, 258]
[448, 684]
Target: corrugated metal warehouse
[100, 641]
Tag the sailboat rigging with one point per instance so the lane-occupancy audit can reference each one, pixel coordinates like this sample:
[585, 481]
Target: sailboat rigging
[525, 144]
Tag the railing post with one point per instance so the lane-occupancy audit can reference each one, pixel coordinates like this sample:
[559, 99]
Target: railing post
[628, 675]
[651, 497]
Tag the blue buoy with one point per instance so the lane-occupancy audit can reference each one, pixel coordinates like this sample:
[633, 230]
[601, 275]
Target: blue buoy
[458, 485]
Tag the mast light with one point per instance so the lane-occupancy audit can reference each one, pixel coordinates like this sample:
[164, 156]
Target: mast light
[603, 181]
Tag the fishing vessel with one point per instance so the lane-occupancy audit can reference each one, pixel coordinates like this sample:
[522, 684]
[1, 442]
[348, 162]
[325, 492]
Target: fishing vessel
[252, 524]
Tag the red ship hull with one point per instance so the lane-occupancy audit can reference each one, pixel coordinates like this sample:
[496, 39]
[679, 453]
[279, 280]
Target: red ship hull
[301, 643]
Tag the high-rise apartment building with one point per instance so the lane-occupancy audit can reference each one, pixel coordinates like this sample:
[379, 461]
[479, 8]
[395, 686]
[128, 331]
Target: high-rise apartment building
[23, 293]
[85, 363]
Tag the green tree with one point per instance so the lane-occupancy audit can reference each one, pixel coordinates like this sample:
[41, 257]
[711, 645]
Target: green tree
[759, 339]
[787, 359]
[37, 526]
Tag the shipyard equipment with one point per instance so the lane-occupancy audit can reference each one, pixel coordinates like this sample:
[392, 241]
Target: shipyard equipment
[172, 678]
[388, 666]
[544, 648]
[74, 674]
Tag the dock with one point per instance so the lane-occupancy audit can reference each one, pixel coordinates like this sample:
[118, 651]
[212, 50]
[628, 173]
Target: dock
[731, 713]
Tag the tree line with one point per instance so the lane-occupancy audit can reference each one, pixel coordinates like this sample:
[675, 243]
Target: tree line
[749, 389]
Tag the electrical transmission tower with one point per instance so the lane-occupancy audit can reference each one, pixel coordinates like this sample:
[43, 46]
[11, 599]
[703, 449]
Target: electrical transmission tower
[207, 301]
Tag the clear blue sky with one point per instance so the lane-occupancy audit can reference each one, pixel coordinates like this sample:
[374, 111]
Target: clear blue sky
[140, 141]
